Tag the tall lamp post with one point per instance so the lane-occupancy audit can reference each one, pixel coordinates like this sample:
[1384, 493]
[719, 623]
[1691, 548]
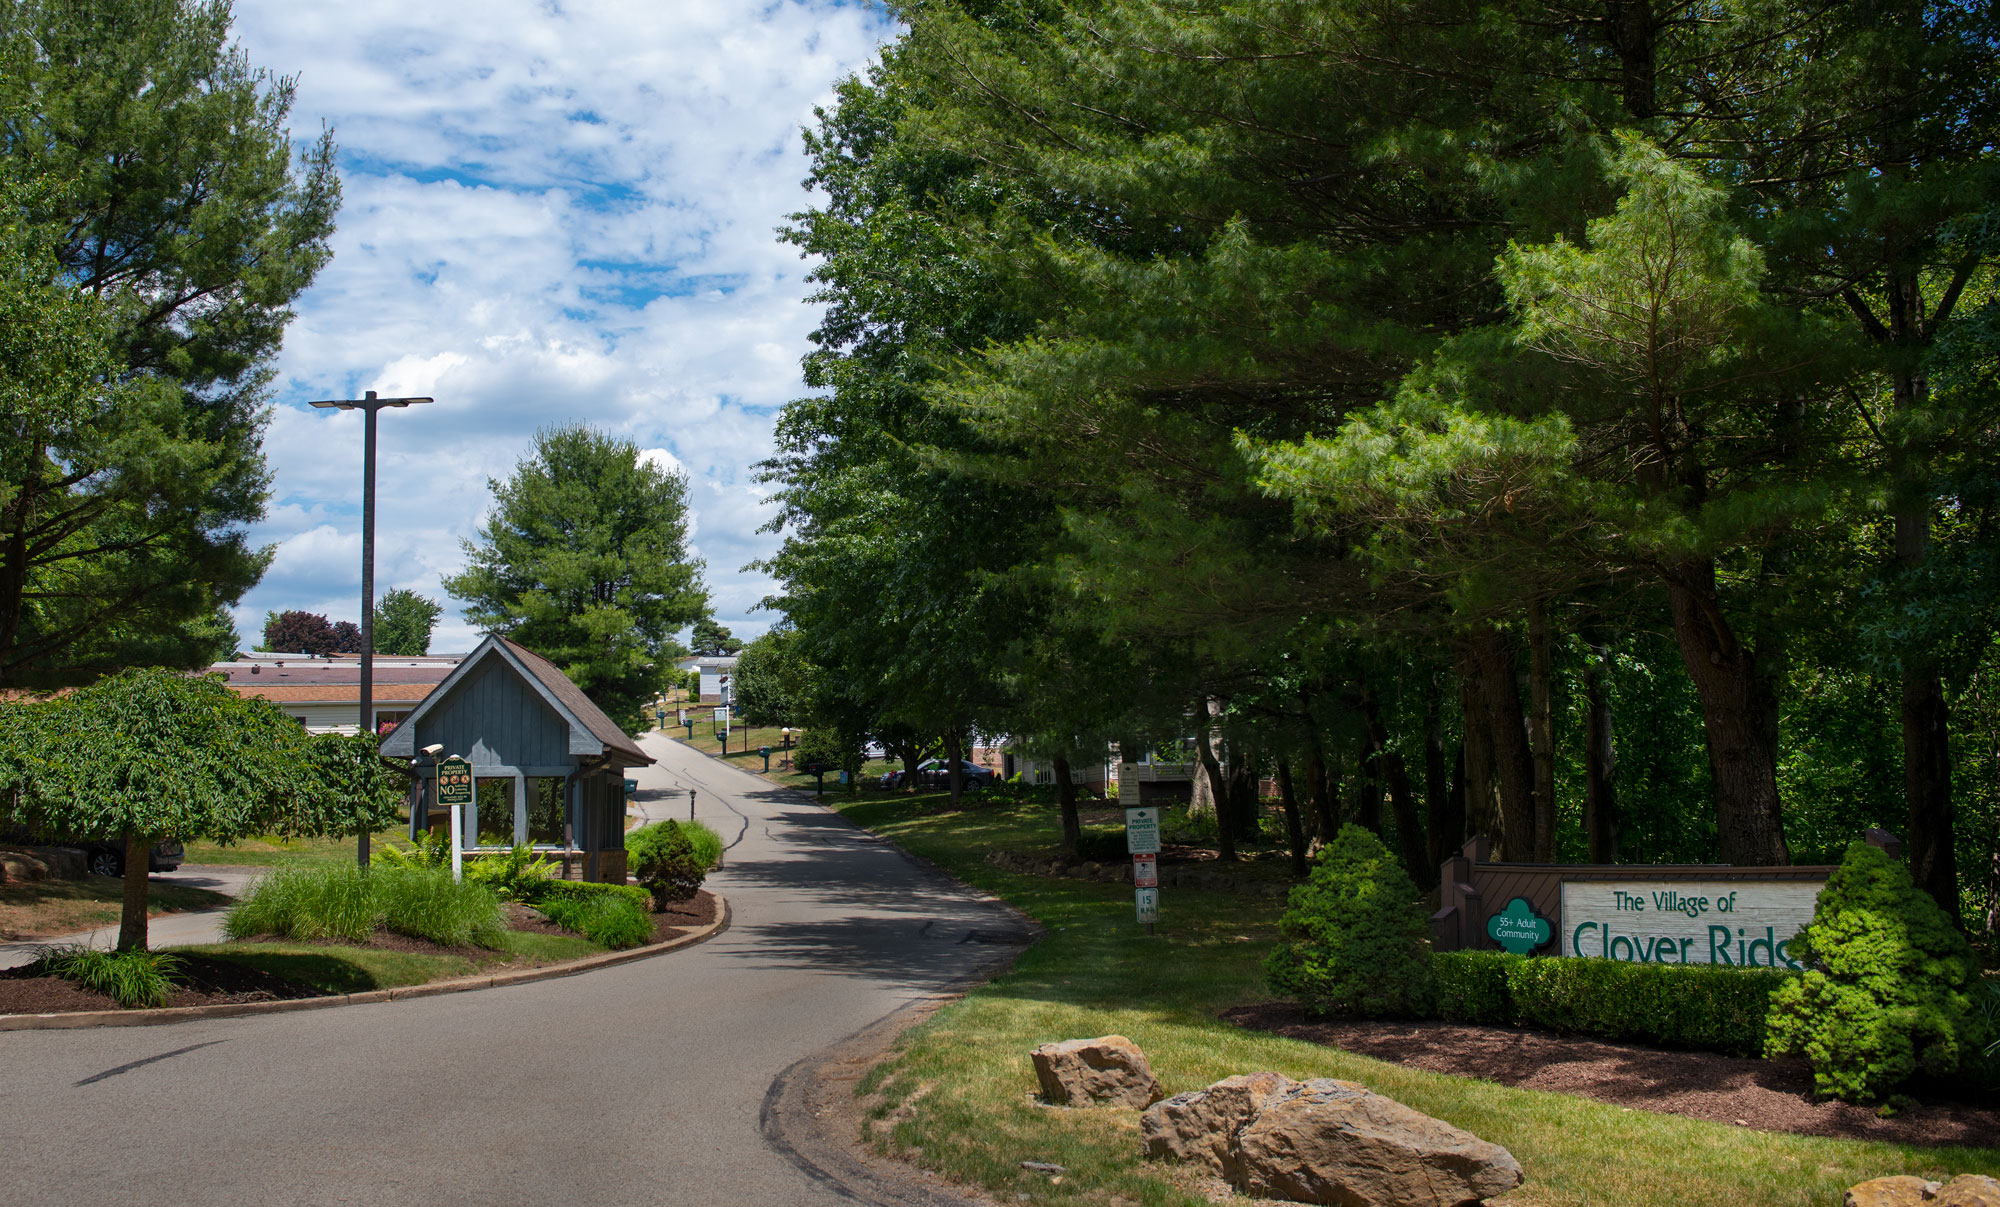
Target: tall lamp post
[367, 405]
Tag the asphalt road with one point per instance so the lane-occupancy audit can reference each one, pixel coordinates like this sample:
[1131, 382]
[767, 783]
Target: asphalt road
[639, 1084]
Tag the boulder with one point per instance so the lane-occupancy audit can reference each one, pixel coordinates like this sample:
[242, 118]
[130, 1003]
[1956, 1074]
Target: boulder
[1326, 1141]
[1202, 1125]
[1899, 1191]
[1329, 1141]
[1968, 1190]
[1107, 1071]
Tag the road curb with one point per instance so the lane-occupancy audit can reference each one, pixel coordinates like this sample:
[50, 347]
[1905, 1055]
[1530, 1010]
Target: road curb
[79, 1019]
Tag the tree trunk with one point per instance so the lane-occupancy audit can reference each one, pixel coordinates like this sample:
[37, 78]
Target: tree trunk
[1367, 809]
[1741, 758]
[1402, 797]
[1443, 825]
[132, 918]
[1930, 841]
[1319, 795]
[1072, 825]
[1246, 806]
[1600, 759]
[1476, 755]
[1295, 830]
[1513, 763]
[954, 774]
[1211, 768]
[1541, 729]
[912, 755]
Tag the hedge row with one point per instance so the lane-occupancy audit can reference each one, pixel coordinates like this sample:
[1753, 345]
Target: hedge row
[1692, 1006]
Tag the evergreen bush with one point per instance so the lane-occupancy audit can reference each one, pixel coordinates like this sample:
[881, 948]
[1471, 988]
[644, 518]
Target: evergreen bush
[1101, 845]
[1889, 986]
[1356, 939]
[570, 890]
[664, 862]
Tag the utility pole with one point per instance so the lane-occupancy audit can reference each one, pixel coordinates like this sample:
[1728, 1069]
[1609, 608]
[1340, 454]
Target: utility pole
[368, 406]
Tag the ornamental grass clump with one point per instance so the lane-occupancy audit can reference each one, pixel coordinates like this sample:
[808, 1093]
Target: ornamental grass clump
[1356, 940]
[338, 901]
[136, 979]
[426, 903]
[606, 919]
[706, 842]
[1889, 987]
[324, 902]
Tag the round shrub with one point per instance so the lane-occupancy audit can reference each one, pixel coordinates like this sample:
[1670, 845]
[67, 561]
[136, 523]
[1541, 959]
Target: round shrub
[664, 861]
[1356, 940]
[1889, 985]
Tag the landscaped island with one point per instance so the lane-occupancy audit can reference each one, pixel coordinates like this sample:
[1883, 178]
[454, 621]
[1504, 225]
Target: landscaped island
[324, 929]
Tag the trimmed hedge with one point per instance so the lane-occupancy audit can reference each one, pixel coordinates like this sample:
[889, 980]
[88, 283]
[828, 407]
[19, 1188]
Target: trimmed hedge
[1677, 1006]
[571, 890]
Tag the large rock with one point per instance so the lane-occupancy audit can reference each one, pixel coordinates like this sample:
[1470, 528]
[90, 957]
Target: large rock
[1327, 1141]
[1202, 1126]
[1107, 1071]
[1968, 1190]
[1899, 1191]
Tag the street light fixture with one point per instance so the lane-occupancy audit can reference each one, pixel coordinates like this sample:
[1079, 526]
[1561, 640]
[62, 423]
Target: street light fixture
[368, 406]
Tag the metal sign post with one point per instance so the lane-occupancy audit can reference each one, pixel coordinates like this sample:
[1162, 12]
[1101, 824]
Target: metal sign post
[1142, 841]
[454, 792]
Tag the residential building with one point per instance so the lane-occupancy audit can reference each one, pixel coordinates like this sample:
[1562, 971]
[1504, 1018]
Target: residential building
[323, 691]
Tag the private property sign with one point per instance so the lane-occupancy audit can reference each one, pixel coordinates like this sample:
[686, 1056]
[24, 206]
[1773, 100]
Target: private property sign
[454, 782]
[1737, 922]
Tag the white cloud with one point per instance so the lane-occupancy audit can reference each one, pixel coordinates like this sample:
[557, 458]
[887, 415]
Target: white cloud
[552, 214]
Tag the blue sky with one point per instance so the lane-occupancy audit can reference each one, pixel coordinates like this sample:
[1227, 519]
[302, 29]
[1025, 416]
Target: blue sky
[552, 213]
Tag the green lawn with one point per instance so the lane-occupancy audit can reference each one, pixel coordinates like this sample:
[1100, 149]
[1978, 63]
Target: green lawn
[337, 968]
[272, 851]
[963, 1092]
[38, 909]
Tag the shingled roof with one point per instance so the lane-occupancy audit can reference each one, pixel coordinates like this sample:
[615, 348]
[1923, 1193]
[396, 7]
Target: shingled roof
[555, 688]
[603, 728]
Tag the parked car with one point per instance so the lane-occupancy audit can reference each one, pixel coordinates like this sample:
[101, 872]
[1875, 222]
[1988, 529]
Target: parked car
[107, 857]
[104, 856]
[936, 773]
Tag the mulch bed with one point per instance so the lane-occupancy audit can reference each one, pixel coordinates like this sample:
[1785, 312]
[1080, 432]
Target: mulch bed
[1765, 1095]
[682, 917]
[208, 983]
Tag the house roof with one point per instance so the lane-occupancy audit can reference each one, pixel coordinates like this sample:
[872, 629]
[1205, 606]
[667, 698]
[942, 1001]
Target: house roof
[603, 728]
[335, 693]
[565, 698]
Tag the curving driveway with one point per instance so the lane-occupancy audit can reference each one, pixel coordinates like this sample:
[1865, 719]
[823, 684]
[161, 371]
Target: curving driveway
[640, 1084]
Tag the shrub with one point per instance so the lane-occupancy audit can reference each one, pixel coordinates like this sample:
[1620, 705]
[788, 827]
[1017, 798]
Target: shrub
[1356, 935]
[135, 979]
[425, 903]
[1888, 987]
[1103, 846]
[325, 902]
[606, 919]
[707, 843]
[1712, 1009]
[1472, 986]
[664, 862]
[427, 850]
[567, 890]
[511, 876]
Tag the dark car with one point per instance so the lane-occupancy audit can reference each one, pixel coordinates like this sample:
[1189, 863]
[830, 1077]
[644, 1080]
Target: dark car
[107, 857]
[936, 773]
[103, 856]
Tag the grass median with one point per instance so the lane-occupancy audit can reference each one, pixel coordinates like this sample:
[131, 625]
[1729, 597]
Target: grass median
[957, 1094]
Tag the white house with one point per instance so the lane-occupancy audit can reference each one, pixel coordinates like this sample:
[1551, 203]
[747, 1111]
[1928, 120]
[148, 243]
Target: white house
[715, 673]
[323, 692]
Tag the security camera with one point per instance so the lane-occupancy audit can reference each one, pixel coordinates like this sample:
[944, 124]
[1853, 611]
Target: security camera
[434, 749]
